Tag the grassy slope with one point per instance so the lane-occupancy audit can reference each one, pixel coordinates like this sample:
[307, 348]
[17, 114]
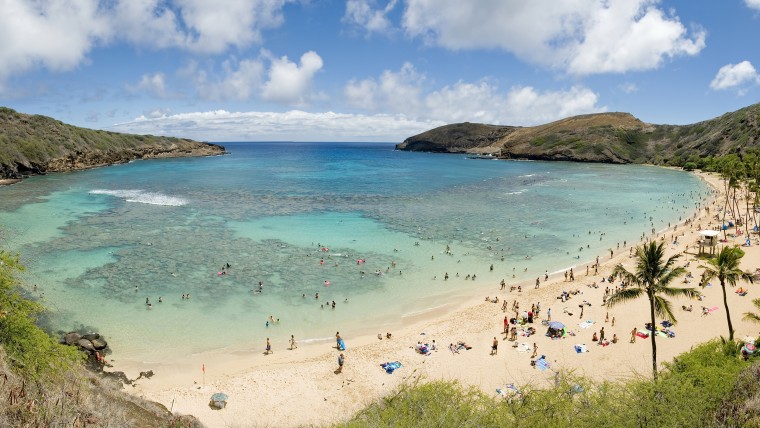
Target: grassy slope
[32, 144]
[604, 137]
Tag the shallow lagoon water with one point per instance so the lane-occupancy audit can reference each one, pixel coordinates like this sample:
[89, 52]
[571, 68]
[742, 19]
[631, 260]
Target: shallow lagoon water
[97, 243]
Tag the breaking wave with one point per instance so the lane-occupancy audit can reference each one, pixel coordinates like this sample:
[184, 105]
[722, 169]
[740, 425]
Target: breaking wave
[142, 197]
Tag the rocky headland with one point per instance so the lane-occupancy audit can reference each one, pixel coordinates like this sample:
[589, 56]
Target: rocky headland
[603, 137]
[34, 144]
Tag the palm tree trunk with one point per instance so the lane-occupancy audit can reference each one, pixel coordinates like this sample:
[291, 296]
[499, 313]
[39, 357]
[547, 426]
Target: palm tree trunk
[651, 335]
[728, 314]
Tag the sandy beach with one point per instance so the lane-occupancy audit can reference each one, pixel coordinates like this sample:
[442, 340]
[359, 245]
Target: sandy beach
[301, 387]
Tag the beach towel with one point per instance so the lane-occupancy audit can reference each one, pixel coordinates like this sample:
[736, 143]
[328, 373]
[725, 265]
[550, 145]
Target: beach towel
[580, 349]
[713, 309]
[642, 334]
[341, 345]
[508, 391]
[390, 367]
[586, 324]
[524, 347]
[542, 363]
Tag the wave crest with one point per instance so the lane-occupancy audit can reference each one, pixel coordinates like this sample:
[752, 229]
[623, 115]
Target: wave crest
[143, 197]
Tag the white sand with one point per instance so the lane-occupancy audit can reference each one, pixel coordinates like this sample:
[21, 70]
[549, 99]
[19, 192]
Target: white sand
[300, 387]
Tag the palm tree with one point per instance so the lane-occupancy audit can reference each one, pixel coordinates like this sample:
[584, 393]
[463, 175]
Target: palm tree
[725, 267]
[652, 276]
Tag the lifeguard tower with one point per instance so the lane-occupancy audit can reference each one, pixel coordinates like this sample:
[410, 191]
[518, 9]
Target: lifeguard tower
[708, 241]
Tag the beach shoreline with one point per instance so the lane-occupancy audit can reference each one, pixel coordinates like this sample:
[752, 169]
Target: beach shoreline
[261, 387]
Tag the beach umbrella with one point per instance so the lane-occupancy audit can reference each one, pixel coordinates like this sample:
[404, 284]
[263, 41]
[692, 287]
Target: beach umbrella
[219, 396]
[556, 325]
[219, 400]
[749, 348]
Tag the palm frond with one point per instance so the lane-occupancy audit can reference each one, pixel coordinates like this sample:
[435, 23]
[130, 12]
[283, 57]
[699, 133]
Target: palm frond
[678, 292]
[663, 308]
[751, 316]
[631, 293]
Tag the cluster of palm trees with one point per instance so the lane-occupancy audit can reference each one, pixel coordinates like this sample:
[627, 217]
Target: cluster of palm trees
[654, 274]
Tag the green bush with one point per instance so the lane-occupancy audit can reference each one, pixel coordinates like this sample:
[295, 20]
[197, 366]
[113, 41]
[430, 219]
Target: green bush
[32, 351]
[688, 393]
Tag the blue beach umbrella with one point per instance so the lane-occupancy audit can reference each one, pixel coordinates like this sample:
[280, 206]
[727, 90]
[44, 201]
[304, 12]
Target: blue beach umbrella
[556, 325]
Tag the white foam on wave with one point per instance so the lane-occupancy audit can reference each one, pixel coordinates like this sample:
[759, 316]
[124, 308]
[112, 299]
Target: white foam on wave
[142, 197]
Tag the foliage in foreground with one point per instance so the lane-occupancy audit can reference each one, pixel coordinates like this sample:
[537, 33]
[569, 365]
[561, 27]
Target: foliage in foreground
[45, 384]
[703, 387]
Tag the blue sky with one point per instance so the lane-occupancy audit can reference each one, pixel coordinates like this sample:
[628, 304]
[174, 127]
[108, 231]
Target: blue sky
[372, 70]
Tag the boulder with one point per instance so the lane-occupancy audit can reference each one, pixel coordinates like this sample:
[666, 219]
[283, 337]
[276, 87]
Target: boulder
[86, 345]
[72, 338]
[99, 344]
[91, 336]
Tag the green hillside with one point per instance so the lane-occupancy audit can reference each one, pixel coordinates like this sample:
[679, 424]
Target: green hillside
[603, 137]
[34, 144]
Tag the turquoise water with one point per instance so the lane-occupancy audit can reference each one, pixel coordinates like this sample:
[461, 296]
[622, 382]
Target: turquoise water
[97, 243]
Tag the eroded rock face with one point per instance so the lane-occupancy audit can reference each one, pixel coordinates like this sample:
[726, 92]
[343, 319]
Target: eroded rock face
[90, 159]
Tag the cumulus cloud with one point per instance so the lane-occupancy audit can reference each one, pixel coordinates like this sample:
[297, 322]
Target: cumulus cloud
[733, 76]
[153, 84]
[404, 92]
[221, 125]
[392, 91]
[754, 4]
[58, 34]
[582, 37]
[238, 79]
[290, 83]
[196, 25]
[55, 34]
[364, 14]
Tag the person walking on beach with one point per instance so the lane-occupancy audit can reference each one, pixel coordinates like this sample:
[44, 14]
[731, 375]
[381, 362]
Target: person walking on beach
[506, 325]
[633, 335]
[269, 348]
[341, 360]
[535, 350]
[293, 342]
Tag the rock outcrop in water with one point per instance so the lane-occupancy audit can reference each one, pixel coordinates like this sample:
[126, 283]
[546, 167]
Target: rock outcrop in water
[603, 137]
[34, 144]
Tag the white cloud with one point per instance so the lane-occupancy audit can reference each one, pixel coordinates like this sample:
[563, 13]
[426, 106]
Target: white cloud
[582, 37]
[238, 80]
[628, 87]
[732, 76]
[392, 91]
[196, 25]
[221, 125]
[55, 34]
[290, 83]
[754, 4]
[58, 34]
[153, 84]
[362, 13]
[403, 92]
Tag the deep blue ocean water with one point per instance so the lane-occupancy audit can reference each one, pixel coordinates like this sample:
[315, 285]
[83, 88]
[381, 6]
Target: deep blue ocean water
[292, 216]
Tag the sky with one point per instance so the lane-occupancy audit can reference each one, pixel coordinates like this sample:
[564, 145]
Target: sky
[372, 70]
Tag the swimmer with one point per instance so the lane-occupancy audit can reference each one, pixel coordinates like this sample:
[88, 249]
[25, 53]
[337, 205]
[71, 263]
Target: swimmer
[160, 299]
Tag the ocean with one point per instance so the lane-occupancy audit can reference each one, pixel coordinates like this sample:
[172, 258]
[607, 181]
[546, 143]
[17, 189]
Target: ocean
[372, 229]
